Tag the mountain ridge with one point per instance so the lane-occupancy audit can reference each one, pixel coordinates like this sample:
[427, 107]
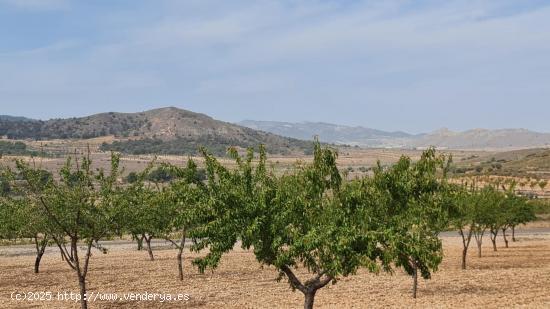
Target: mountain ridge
[472, 139]
[168, 130]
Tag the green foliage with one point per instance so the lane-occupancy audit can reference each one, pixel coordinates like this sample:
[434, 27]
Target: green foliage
[10, 220]
[79, 202]
[540, 206]
[132, 177]
[160, 174]
[80, 207]
[5, 187]
[216, 145]
[416, 210]
[16, 149]
[311, 217]
[142, 209]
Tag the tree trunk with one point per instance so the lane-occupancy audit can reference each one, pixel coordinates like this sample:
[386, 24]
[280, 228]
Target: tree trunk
[73, 260]
[149, 250]
[81, 271]
[504, 236]
[514, 233]
[180, 254]
[465, 244]
[37, 262]
[40, 248]
[309, 298]
[139, 240]
[415, 279]
[83, 298]
[494, 234]
[464, 255]
[478, 248]
[479, 241]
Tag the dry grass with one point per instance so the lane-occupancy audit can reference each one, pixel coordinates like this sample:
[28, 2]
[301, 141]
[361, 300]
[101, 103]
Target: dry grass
[514, 277]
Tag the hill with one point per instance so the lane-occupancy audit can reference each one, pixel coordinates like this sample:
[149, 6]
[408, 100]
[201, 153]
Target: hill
[475, 139]
[12, 118]
[331, 133]
[517, 163]
[483, 139]
[160, 131]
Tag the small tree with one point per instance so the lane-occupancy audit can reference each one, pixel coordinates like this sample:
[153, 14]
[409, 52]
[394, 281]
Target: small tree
[33, 225]
[520, 212]
[543, 184]
[496, 214]
[28, 220]
[143, 214]
[417, 211]
[182, 198]
[79, 207]
[461, 215]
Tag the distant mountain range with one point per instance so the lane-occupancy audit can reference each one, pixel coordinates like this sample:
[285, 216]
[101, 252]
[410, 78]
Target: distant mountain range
[330, 133]
[176, 131]
[161, 131]
[443, 138]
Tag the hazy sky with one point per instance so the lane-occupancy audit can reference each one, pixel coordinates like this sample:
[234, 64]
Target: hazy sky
[394, 65]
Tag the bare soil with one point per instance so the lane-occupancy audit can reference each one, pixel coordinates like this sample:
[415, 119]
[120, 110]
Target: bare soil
[515, 277]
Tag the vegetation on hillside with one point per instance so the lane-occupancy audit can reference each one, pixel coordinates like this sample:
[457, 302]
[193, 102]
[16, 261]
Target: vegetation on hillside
[519, 163]
[17, 149]
[191, 146]
[170, 131]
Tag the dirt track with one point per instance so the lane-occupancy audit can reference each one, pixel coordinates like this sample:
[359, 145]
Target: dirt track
[514, 277]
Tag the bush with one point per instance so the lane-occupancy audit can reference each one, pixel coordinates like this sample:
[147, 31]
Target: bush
[540, 206]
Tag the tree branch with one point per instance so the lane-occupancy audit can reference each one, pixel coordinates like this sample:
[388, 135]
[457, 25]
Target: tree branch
[64, 253]
[294, 281]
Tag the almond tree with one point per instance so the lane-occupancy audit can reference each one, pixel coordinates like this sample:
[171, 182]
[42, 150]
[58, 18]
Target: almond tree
[142, 214]
[182, 201]
[496, 212]
[417, 211]
[462, 215]
[482, 201]
[80, 207]
[520, 212]
[33, 225]
[28, 221]
[309, 218]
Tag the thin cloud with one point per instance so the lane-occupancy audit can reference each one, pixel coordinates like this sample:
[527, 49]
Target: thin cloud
[347, 62]
[40, 5]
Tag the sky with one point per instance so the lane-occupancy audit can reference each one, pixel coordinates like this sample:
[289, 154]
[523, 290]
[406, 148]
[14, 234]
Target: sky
[413, 66]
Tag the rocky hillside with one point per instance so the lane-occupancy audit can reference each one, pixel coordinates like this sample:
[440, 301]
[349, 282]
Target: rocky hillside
[163, 131]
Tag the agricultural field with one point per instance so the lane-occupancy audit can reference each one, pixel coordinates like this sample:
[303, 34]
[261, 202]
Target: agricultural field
[515, 277]
[352, 158]
[336, 230]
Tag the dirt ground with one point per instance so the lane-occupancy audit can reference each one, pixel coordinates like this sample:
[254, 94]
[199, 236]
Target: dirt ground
[514, 277]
